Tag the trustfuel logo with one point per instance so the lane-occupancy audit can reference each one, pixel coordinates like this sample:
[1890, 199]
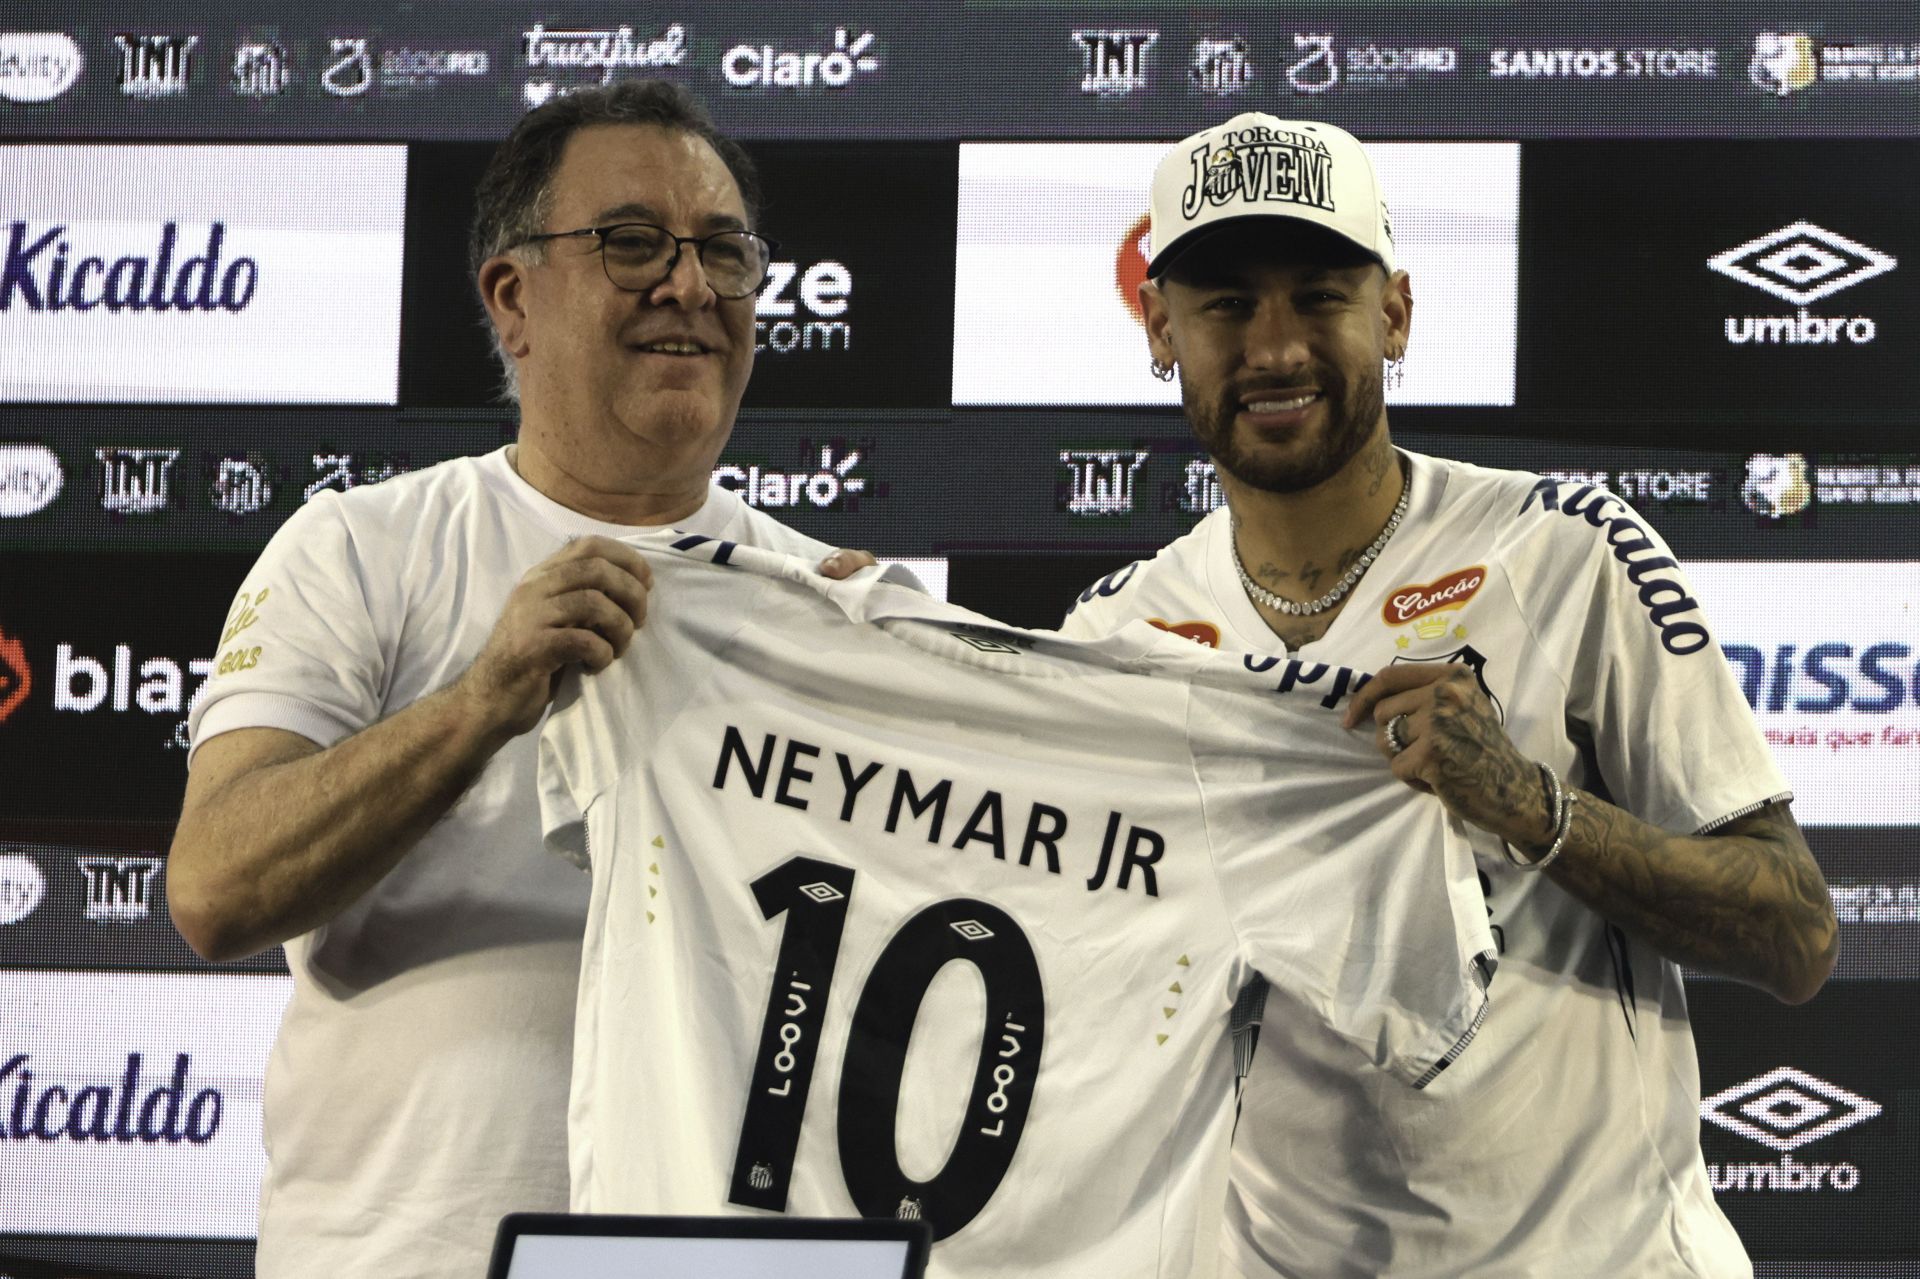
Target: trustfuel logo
[48, 268]
[1801, 263]
[1784, 1110]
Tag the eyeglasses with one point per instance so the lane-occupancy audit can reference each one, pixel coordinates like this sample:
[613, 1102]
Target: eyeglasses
[638, 255]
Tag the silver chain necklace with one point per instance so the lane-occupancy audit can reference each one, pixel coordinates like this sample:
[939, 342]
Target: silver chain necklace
[1339, 592]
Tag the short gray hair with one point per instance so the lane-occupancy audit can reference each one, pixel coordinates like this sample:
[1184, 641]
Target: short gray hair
[515, 195]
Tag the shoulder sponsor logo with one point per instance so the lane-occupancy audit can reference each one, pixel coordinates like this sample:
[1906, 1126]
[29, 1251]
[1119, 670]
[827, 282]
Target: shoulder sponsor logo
[16, 677]
[30, 478]
[1116, 61]
[155, 66]
[747, 66]
[119, 890]
[1405, 603]
[1801, 263]
[38, 66]
[1258, 164]
[22, 887]
[1666, 601]
[1316, 70]
[1784, 1110]
[1101, 482]
[1205, 634]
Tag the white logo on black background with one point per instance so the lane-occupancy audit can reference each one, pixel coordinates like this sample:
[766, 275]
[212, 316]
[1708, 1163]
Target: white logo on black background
[1221, 66]
[746, 65]
[823, 290]
[1101, 482]
[120, 890]
[240, 487]
[21, 887]
[1316, 71]
[1785, 1109]
[135, 481]
[1116, 61]
[1801, 263]
[259, 70]
[30, 478]
[154, 66]
[38, 66]
[350, 74]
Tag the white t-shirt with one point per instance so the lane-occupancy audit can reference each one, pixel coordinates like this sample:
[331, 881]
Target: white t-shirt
[1567, 1143]
[417, 1090]
[800, 814]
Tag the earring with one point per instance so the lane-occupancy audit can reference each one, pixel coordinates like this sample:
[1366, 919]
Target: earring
[1395, 373]
[1162, 371]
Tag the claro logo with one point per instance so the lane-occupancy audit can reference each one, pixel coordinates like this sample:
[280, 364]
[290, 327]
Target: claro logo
[804, 310]
[45, 272]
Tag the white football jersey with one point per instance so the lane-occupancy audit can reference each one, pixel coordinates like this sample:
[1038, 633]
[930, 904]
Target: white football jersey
[1567, 1142]
[898, 912]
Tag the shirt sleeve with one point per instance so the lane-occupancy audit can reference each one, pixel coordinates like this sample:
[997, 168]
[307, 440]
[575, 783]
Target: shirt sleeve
[1092, 614]
[299, 649]
[1351, 891]
[1674, 739]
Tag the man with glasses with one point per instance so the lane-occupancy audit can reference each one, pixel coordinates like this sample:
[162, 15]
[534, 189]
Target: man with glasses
[363, 778]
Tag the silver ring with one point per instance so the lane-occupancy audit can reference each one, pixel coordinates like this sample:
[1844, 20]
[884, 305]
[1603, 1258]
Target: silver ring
[1394, 741]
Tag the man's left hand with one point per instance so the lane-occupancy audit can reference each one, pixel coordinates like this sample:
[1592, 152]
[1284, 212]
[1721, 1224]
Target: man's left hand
[843, 564]
[1452, 745]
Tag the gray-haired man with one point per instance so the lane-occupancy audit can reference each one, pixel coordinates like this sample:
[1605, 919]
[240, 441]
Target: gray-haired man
[363, 784]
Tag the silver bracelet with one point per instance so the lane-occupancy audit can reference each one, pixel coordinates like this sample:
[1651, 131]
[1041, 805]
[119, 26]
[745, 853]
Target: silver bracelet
[1563, 802]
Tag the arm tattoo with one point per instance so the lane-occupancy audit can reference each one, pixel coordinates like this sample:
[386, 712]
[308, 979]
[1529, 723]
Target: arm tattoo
[1746, 902]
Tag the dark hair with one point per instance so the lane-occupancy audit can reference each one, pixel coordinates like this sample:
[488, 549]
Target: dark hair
[516, 191]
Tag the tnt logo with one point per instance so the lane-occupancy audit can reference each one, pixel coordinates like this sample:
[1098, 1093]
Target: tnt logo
[120, 890]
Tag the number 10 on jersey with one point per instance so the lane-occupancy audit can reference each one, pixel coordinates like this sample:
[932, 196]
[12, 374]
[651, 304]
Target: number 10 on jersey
[814, 897]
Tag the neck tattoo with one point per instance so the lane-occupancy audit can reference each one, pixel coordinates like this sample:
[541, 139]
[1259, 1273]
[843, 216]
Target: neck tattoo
[1262, 595]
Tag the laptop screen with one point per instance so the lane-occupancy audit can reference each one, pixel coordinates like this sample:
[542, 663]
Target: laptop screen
[557, 1246]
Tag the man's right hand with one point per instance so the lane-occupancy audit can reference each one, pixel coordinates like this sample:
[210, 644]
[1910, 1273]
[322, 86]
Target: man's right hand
[581, 604]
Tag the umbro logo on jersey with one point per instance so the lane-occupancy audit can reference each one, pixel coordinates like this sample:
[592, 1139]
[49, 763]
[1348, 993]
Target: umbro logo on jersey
[1202, 633]
[1785, 1109]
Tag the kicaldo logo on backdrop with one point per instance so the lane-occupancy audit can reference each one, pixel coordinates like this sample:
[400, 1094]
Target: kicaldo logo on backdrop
[1801, 263]
[1784, 1110]
[138, 1091]
[1069, 220]
[1828, 657]
[201, 273]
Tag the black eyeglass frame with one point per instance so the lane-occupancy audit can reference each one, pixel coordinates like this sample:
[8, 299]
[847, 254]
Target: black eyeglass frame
[601, 233]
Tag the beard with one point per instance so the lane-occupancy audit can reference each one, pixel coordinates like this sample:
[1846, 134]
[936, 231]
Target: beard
[1353, 410]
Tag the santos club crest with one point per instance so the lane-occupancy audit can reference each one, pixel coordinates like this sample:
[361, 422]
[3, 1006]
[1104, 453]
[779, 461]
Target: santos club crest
[1465, 655]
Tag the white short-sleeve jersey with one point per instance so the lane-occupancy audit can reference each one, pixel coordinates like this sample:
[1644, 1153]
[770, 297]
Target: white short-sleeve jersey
[417, 1088]
[899, 912]
[1567, 1142]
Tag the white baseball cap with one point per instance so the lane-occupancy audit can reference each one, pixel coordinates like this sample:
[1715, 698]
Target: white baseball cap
[1257, 166]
